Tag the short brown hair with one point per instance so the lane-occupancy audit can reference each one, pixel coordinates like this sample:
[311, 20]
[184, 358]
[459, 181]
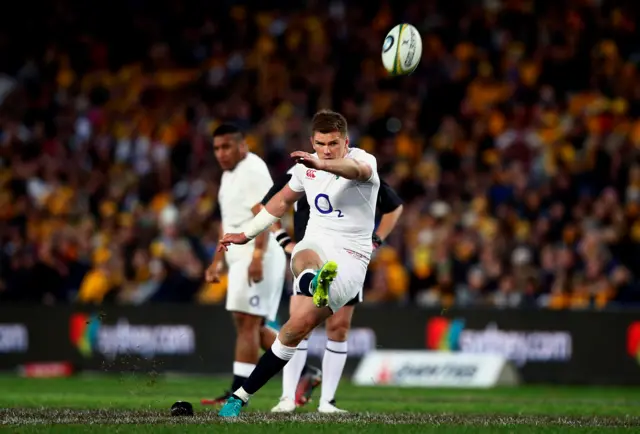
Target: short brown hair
[327, 121]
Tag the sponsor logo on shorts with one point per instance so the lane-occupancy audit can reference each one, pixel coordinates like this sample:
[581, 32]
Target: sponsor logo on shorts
[356, 254]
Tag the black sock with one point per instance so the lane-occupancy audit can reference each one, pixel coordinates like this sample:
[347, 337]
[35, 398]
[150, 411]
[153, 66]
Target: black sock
[268, 366]
[304, 283]
[238, 381]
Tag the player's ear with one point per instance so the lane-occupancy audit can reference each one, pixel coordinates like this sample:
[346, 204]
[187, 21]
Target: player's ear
[346, 141]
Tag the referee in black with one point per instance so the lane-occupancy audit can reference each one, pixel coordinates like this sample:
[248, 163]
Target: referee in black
[388, 210]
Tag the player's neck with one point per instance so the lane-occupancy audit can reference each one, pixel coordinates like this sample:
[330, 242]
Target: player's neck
[243, 156]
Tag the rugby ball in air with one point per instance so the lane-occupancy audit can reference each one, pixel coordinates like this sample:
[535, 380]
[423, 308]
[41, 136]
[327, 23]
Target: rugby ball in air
[402, 50]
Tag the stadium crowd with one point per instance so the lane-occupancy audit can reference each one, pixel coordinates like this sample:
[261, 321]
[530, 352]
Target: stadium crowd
[514, 145]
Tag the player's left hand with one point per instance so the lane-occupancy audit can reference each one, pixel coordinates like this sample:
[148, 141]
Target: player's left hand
[307, 160]
[255, 271]
[229, 239]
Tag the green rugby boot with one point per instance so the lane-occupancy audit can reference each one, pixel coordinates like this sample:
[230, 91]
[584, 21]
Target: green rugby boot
[321, 282]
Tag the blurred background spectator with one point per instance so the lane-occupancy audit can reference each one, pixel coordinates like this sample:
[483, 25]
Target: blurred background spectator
[515, 144]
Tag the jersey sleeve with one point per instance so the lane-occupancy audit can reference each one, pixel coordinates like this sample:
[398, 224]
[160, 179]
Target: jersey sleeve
[388, 199]
[295, 183]
[275, 188]
[365, 157]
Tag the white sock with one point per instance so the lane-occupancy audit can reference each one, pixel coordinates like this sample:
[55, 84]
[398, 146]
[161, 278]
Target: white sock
[282, 351]
[242, 369]
[335, 356]
[293, 369]
[240, 393]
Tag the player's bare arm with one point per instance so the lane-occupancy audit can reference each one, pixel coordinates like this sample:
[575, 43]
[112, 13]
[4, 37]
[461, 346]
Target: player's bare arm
[282, 237]
[347, 168]
[255, 268]
[212, 273]
[388, 221]
[271, 213]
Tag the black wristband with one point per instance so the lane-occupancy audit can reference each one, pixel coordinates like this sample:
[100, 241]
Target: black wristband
[377, 241]
[283, 238]
[284, 243]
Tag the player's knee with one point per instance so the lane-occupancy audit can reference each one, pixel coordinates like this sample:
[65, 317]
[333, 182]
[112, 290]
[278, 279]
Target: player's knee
[246, 324]
[291, 335]
[338, 325]
[295, 330]
[338, 332]
[304, 260]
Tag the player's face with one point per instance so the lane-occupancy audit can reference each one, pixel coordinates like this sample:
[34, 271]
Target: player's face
[330, 146]
[228, 150]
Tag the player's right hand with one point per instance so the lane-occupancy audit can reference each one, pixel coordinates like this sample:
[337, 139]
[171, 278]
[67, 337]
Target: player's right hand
[255, 271]
[211, 274]
[308, 160]
[229, 239]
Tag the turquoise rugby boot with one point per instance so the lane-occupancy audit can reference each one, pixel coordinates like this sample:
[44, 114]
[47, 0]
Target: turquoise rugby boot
[231, 408]
[321, 282]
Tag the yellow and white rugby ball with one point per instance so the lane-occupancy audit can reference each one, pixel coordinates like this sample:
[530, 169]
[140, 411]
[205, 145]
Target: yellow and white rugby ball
[402, 50]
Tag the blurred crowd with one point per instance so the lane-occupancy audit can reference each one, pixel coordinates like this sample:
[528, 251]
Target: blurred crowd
[514, 145]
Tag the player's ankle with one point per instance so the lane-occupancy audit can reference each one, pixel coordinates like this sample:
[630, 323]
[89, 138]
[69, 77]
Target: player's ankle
[242, 395]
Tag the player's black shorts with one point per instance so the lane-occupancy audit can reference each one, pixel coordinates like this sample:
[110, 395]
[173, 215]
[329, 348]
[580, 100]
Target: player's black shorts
[355, 300]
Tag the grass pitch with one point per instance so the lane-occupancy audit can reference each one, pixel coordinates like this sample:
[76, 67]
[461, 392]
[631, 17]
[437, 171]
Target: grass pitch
[140, 404]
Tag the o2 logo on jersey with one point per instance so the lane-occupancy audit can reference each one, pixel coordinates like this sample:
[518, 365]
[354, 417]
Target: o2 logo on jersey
[323, 205]
[311, 174]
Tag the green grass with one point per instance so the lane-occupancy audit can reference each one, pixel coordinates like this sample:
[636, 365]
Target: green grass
[140, 404]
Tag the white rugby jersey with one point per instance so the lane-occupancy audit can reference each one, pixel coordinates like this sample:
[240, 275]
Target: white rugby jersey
[341, 209]
[240, 190]
[290, 172]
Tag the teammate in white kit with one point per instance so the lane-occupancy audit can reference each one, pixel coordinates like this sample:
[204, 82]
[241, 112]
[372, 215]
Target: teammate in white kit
[256, 269]
[330, 262]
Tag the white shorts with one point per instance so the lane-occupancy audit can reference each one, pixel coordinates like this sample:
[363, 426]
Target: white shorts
[262, 298]
[352, 269]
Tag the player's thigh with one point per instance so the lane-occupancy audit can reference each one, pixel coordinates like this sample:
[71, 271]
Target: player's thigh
[308, 253]
[302, 321]
[243, 296]
[295, 301]
[352, 270]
